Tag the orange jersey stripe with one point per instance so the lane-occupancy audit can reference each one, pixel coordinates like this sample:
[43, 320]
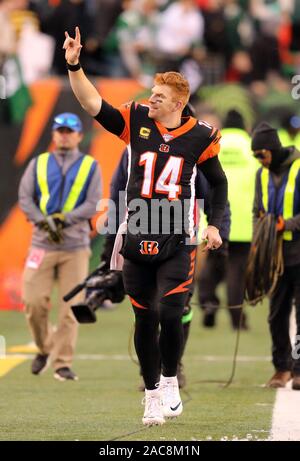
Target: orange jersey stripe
[188, 125]
[125, 112]
[212, 149]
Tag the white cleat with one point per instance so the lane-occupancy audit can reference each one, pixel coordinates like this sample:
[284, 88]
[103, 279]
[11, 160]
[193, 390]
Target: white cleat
[171, 400]
[153, 414]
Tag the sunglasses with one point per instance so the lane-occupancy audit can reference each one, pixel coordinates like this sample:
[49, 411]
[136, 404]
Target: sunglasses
[68, 121]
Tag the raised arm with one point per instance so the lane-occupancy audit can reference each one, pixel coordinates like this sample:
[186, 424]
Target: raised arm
[83, 89]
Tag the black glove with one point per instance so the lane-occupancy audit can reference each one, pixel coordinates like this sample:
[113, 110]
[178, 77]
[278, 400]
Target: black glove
[54, 232]
[59, 220]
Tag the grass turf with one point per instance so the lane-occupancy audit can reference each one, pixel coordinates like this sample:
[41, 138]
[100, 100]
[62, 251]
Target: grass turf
[105, 405]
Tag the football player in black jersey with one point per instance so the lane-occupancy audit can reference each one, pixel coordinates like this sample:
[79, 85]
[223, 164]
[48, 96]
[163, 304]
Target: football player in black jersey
[158, 265]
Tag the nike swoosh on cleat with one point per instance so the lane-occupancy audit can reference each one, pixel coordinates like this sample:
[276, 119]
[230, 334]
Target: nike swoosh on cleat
[175, 408]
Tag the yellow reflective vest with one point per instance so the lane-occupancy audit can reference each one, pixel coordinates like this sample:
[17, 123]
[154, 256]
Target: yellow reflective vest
[240, 168]
[56, 192]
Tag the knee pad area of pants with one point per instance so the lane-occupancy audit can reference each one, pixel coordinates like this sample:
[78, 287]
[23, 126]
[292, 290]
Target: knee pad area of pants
[170, 311]
[145, 314]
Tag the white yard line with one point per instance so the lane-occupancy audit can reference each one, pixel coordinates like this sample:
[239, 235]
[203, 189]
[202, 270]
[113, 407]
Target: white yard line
[120, 357]
[286, 415]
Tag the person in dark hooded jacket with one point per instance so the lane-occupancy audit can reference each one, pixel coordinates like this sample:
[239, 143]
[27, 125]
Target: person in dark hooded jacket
[277, 192]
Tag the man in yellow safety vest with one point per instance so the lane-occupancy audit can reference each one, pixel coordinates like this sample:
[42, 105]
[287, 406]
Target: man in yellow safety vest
[58, 192]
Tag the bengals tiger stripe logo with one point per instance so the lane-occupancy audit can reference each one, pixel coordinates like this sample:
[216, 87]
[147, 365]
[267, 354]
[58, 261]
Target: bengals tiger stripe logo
[164, 148]
[149, 247]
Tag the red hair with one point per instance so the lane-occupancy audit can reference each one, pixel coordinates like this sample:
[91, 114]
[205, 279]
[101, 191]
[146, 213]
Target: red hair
[177, 82]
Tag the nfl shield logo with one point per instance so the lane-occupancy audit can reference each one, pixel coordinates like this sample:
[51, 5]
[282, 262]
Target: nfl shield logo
[167, 137]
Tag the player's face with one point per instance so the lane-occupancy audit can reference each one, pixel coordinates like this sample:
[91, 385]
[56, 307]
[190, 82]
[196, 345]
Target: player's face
[162, 102]
[66, 139]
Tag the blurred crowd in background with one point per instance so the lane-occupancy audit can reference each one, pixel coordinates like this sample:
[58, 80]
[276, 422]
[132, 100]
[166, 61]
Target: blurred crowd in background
[255, 43]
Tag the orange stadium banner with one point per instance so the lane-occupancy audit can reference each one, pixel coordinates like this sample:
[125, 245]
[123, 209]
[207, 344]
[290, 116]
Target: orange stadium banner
[20, 143]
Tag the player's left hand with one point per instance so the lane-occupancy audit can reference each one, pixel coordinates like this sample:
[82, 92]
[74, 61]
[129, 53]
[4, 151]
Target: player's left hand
[212, 237]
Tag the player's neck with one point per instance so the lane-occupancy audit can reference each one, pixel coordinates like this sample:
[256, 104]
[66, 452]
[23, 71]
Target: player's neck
[171, 120]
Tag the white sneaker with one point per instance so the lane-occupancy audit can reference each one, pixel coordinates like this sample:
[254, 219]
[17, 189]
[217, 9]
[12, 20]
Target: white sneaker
[153, 414]
[171, 400]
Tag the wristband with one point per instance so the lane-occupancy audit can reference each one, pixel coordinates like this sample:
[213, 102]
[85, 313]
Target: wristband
[73, 67]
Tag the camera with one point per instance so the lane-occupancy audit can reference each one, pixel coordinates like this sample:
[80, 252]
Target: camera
[100, 285]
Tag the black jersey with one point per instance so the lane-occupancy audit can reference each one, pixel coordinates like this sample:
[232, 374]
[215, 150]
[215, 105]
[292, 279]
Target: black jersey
[162, 163]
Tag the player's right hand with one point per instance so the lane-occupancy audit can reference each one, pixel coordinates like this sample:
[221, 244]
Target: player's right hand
[73, 47]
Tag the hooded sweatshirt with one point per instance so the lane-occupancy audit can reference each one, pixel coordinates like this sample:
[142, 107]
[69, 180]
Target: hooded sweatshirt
[291, 249]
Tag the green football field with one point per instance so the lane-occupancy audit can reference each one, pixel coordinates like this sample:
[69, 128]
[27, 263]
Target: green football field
[105, 404]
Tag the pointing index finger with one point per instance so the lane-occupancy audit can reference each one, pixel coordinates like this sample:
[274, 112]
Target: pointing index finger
[77, 34]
